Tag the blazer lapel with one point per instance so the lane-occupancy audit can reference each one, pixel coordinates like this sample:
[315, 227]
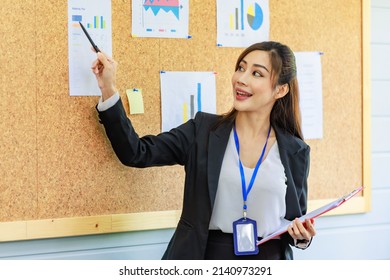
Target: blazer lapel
[288, 149]
[218, 140]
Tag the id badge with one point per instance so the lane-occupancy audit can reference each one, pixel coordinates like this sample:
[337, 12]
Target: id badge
[245, 237]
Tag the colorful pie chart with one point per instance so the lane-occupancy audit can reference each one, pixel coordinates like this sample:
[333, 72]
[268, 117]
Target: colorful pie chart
[255, 16]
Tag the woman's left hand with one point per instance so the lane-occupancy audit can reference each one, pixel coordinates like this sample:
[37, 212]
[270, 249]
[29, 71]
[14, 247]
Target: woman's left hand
[299, 230]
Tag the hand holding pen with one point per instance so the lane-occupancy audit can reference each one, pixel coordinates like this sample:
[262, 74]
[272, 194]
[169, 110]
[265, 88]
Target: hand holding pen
[104, 68]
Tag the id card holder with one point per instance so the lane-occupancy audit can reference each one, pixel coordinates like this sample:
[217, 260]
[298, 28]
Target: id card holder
[245, 237]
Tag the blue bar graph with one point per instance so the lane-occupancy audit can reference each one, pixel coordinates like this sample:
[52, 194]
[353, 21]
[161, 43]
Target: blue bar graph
[98, 22]
[199, 97]
[242, 14]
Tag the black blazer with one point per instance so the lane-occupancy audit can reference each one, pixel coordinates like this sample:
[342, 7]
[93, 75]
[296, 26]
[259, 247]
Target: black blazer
[200, 147]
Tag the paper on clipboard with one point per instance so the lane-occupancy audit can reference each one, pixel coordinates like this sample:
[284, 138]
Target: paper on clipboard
[313, 214]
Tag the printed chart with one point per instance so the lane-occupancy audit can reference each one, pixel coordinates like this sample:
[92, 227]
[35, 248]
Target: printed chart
[161, 19]
[241, 23]
[97, 20]
[309, 74]
[183, 94]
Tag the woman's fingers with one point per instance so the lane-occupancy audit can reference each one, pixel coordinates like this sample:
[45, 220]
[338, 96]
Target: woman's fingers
[309, 225]
[298, 230]
[96, 66]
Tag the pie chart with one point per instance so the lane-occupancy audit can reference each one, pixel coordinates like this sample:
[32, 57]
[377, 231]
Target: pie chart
[255, 16]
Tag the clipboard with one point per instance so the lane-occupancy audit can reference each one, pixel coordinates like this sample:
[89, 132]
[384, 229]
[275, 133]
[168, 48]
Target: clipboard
[313, 214]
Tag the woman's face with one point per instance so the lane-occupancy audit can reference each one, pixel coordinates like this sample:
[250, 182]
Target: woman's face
[252, 84]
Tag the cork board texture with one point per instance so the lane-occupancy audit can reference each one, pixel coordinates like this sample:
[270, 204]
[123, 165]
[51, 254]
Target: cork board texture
[56, 161]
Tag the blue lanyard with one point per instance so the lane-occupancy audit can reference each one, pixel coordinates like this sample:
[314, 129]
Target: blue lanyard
[245, 190]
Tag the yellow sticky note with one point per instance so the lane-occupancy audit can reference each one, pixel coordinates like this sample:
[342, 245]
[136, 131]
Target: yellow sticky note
[136, 101]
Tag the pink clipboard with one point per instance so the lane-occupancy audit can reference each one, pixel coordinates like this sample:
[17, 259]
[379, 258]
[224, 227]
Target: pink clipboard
[313, 214]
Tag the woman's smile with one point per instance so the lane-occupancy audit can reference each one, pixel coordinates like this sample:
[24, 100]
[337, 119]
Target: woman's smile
[242, 95]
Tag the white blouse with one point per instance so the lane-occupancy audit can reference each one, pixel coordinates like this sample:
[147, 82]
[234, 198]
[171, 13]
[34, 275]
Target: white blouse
[266, 201]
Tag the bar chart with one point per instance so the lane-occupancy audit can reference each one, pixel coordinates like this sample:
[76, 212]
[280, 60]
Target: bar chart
[194, 105]
[253, 14]
[183, 94]
[97, 22]
[241, 23]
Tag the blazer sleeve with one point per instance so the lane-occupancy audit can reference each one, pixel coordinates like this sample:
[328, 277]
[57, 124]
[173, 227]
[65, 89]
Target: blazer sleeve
[301, 179]
[167, 148]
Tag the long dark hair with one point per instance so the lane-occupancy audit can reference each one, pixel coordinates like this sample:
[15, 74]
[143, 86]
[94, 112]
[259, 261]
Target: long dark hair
[285, 113]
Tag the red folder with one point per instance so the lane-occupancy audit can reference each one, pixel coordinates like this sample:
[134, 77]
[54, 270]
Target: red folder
[314, 214]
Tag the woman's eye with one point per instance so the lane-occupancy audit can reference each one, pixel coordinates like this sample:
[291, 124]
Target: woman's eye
[241, 69]
[257, 74]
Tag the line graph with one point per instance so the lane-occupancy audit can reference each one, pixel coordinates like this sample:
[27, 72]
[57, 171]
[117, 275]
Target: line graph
[167, 6]
[160, 18]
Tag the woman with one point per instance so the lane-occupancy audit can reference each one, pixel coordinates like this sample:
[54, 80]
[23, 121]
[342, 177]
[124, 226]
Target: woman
[246, 171]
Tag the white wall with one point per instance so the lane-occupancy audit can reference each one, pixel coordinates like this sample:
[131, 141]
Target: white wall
[361, 236]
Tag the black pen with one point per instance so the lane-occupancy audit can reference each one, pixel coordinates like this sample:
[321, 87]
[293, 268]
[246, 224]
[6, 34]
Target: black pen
[89, 38]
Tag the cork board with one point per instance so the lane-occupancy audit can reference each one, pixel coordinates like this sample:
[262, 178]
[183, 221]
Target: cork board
[55, 159]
